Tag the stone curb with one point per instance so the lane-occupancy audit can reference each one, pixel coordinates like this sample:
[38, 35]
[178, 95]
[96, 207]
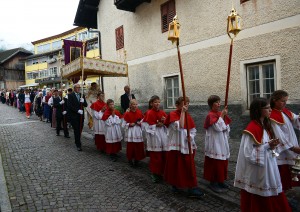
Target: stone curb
[4, 198]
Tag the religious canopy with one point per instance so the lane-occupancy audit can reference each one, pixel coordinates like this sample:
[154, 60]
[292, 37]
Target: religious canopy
[94, 67]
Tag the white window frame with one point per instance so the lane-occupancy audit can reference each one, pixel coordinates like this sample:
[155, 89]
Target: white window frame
[244, 79]
[165, 77]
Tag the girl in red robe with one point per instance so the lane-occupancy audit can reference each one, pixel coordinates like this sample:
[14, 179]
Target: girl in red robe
[133, 134]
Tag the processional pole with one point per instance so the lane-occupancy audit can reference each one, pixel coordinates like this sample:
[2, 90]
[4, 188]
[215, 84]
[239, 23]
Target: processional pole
[173, 35]
[233, 28]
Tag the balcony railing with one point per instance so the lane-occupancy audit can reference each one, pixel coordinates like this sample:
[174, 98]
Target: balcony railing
[129, 5]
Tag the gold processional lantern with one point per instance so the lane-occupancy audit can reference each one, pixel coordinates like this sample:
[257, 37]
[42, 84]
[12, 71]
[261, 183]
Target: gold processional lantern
[174, 30]
[233, 24]
[233, 28]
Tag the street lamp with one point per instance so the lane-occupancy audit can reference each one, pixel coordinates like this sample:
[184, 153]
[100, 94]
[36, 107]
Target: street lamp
[173, 35]
[233, 28]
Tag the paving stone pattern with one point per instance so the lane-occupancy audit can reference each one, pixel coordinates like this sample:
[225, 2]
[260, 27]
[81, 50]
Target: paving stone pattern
[46, 173]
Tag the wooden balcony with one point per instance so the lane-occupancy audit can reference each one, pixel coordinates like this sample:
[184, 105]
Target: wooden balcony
[129, 5]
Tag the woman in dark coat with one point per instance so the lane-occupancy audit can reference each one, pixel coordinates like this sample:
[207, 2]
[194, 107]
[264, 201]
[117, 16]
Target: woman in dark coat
[21, 98]
[38, 106]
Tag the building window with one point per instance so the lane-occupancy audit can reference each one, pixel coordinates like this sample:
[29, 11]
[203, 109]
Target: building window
[56, 45]
[92, 45]
[43, 48]
[53, 72]
[29, 75]
[171, 90]
[261, 80]
[119, 38]
[167, 14]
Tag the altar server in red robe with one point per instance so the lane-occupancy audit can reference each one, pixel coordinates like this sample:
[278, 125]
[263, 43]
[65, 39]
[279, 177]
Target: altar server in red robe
[133, 134]
[257, 172]
[113, 134]
[283, 123]
[216, 145]
[157, 140]
[180, 171]
[98, 108]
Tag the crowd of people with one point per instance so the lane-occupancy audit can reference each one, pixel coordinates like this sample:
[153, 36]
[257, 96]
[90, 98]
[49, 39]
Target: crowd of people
[267, 151]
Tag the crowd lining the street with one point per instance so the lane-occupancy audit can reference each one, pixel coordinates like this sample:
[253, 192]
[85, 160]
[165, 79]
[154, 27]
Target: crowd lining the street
[268, 147]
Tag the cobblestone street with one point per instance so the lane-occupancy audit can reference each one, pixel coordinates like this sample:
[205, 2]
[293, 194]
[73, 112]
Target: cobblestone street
[44, 172]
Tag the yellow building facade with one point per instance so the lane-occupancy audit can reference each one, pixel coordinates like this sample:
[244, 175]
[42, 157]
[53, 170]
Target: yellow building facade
[43, 68]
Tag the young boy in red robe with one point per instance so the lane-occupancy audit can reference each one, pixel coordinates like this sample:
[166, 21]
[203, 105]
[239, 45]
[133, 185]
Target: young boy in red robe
[157, 140]
[113, 134]
[180, 170]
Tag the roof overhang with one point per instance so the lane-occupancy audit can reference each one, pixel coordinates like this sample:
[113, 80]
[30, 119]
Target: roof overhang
[86, 15]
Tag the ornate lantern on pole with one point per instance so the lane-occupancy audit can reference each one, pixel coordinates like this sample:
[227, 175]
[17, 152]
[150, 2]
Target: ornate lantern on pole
[233, 28]
[173, 35]
[174, 30]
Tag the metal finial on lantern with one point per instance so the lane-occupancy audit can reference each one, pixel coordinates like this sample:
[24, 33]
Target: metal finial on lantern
[233, 24]
[174, 30]
[296, 168]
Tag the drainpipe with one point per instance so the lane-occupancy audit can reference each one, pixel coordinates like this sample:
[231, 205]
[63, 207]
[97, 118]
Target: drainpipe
[100, 52]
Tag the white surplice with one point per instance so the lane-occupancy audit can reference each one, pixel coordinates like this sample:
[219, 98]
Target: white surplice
[177, 138]
[256, 170]
[113, 132]
[216, 140]
[98, 124]
[132, 134]
[287, 138]
[157, 139]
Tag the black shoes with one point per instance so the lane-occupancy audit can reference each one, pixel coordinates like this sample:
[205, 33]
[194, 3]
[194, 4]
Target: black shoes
[67, 136]
[79, 149]
[57, 135]
[218, 187]
[195, 193]
[113, 157]
[223, 185]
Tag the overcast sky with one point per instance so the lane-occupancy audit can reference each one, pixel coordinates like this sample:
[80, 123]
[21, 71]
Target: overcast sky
[25, 21]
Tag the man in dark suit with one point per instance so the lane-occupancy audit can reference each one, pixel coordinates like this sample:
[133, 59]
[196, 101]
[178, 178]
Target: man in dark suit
[125, 98]
[60, 104]
[76, 102]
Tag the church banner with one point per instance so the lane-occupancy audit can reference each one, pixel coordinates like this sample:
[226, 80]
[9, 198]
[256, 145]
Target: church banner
[73, 50]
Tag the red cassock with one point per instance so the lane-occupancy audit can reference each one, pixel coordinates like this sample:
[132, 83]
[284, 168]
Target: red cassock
[134, 150]
[284, 170]
[253, 202]
[180, 170]
[215, 170]
[157, 159]
[112, 148]
[99, 138]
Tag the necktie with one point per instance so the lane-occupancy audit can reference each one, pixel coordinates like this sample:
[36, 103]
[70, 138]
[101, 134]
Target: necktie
[78, 97]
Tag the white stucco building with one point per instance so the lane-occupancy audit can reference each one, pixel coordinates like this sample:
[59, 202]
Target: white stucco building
[266, 54]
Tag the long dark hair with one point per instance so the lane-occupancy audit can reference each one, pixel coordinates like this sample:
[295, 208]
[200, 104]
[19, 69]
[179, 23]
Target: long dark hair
[152, 99]
[255, 113]
[276, 95]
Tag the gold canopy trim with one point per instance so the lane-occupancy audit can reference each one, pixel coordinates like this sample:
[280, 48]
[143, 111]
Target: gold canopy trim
[96, 67]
